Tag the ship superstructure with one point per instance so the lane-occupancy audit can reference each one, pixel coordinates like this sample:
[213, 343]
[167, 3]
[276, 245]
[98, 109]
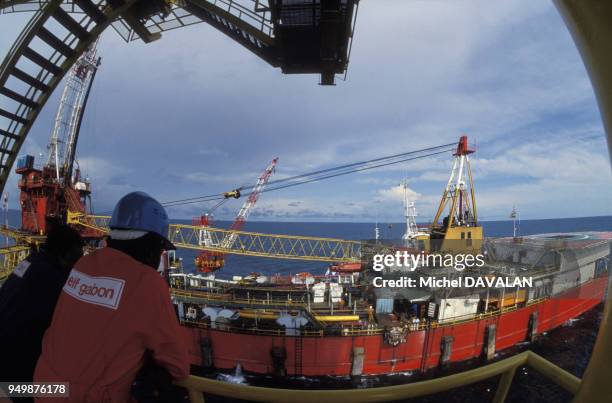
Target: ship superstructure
[413, 232]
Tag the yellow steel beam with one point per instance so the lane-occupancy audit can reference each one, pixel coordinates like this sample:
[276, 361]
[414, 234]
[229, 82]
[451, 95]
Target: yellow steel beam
[247, 243]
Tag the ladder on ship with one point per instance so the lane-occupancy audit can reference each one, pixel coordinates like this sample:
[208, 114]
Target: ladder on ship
[297, 361]
[426, 348]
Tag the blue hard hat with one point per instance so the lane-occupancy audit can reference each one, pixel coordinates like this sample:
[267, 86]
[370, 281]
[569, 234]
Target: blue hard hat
[137, 211]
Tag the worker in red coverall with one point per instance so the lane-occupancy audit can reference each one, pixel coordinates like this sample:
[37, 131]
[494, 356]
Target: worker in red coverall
[115, 310]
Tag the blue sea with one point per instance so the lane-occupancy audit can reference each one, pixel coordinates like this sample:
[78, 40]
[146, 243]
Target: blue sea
[241, 265]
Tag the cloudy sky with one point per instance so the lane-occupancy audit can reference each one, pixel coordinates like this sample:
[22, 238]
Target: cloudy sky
[195, 114]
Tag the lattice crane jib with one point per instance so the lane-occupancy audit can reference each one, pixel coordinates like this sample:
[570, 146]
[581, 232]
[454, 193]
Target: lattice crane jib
[247, 243]
[250, 202]
[62, 146]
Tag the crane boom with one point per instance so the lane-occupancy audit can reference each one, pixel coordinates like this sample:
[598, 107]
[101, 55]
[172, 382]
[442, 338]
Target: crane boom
[69, 115]
[247, 243]
[248, 205]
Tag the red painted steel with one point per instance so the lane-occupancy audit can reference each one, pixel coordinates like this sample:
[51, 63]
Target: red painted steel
[332, 355]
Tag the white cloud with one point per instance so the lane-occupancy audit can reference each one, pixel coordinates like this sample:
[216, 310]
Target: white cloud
[396, 193]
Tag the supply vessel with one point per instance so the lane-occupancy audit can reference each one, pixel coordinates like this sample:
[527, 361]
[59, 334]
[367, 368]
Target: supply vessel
[340, 324]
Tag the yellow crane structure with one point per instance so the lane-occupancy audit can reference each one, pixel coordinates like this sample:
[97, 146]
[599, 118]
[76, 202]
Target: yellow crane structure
[22, 237]
[459, 230]
[247, 243]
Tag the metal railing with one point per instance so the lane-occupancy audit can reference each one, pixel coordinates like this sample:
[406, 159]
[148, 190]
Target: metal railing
[249, 12]
[21, 237]
[250, 18]
[345, 331]
[10, 257]
[197, 386]
[96, 222]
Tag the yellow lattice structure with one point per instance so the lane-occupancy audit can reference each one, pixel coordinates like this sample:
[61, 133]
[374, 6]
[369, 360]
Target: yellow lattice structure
[21, 237]
[97, 222]
[267, 245]
[246, 243]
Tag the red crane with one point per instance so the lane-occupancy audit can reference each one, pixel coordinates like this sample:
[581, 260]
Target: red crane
[209, 261]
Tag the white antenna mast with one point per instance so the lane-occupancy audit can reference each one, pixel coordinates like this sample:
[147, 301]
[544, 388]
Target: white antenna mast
[515, 217]
[376, 229]
[409, 213]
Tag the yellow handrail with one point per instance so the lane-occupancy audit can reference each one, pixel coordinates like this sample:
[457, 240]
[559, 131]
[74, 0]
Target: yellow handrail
[10, 257]
[21, 237]
[506, 368]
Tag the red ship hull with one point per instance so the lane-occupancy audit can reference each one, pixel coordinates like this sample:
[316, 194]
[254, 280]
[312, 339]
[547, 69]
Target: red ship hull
[334, 355]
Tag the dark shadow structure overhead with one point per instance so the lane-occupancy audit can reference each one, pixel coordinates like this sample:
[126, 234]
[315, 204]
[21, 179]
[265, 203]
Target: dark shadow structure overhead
[297, 36]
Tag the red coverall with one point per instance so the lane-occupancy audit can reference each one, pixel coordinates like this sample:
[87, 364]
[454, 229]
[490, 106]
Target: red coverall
[111, 309]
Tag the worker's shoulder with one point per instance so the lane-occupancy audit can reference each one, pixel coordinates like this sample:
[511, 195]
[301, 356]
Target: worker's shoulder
[112, 262]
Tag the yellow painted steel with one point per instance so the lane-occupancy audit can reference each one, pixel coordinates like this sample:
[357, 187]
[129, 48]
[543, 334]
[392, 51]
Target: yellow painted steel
[21, 237]
[247, 243]
[268, 245]
[10, 257]
[97, 222]
[337, 318]
[321, 318]
[196, 386]
[258, 315]
[456, 239]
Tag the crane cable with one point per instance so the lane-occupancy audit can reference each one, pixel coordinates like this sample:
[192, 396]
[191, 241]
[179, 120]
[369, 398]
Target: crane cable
[328, 173]
[356, 164]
